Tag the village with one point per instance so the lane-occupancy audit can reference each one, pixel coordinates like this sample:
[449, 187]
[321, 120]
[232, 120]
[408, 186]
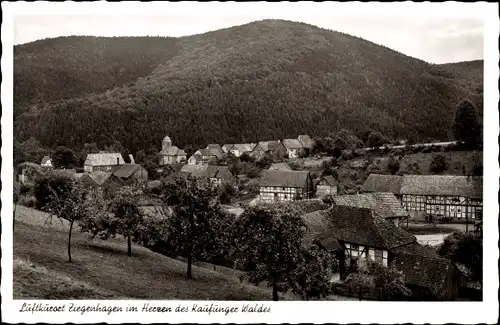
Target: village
[372, 222]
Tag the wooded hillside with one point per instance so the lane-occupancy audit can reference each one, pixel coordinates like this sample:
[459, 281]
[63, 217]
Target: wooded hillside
[260, 81]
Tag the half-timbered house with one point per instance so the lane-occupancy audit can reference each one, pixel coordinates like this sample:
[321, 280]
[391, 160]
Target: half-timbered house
[103, 161]
[326, 185]
[282, 185]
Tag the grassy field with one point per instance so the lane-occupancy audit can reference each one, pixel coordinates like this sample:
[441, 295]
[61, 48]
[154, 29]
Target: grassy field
[102, 270]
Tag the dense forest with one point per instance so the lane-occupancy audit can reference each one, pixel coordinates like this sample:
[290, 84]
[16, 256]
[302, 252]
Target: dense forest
[264, 80]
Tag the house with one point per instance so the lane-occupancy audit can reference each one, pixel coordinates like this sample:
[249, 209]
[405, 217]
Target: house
[226, 147]
[283, 185]
[196, 160]
[293, 147]
[103, 161]
[102, 179]
[170, 154]
[385, 205]
[216, 150]
[326, 185]
[280, 166]
[356, 235]
[131, 173]
[240, 148]
[46, 162]
[307, 142]
[217, 175]
[438, 196]
[206, 155]
[273, 148]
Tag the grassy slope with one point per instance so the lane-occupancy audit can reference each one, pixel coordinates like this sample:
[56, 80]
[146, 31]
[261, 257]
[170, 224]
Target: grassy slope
[280, 76]
[101, 269]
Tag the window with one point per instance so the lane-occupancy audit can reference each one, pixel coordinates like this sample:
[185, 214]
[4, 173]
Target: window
[354, 246]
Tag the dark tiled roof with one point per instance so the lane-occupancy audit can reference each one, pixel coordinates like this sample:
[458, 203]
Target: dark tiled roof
[330, 180]
[280, 166]
[385, 205]
[243, 147]
[284, 178]
[443, 185]
[382, 183]
[96, 178]
[423, 271]
[267, 146]
[217, 152]
[126, 170]
[293, 144]
[104, 159]
[197, 158]
[359, 225]
[204, 152]
[319, 229]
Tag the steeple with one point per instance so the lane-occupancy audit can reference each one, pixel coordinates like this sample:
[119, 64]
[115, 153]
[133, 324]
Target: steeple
[166, 143]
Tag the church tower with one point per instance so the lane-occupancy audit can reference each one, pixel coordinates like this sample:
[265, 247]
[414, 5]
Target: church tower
[166, 143]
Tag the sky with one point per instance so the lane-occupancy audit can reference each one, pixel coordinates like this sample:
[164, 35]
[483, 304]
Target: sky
[435, 33]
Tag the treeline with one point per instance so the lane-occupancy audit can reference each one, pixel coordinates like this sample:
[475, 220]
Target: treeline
[261, 81]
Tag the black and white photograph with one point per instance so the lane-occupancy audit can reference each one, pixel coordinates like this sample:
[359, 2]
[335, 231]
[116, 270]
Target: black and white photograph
[226, 161]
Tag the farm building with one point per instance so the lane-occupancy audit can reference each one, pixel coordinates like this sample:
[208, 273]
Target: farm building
[226, 147]
[101, 179]
[217, 175]
[171, 154]
[385, 205]
[206, 155]
[131, 173]
[103, 161]
[357, 235]
[282, 185]
[240, 148]
[196, 160]
[46, 162]
[273, 148]
[326, 185]
[440, 196]
[293, 147]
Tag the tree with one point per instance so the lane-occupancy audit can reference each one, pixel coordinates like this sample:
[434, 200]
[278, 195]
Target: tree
[194, 229]
[63, 157]
[466, 126]
[376, 139]
[16, 193]
[476, 168]
[313, 274]
[140, 156]
[393, 165]
[467, 249]
[438, 164]
[268, 241]
[65, 199]
[387, 282]
[122, 217]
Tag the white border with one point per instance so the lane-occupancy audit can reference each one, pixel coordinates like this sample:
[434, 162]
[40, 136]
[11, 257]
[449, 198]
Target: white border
[282, 312]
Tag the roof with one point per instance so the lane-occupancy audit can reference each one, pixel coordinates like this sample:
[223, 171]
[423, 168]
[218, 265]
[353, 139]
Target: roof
[284, 178]
[97, 177]
[319, 229]
[360, 226]
[243, 147]
[221, 172]
[205, 152]
[385, 205]
[421, 270]
[172, 151]
[104, 159]
[126, 170]
[306, 141]
[443, 185]
[267, 145]
[30, 164]
[214, 146]
[330, 180]
[188, 169]
[45, 159]
[216, 150]
[226, 147]
[383, 183]
[293, 144]
[167, 138]
[196, 157]
[280, 166]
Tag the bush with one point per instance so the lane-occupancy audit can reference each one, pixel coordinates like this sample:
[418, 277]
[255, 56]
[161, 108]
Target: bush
[393, 165]
[376, 139]
[438, 164]
[253, 172]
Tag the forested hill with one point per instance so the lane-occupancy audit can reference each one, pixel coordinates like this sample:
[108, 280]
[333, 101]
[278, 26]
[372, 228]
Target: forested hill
[264, 80]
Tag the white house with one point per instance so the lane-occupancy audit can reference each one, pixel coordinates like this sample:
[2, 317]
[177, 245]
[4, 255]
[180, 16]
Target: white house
[293, 147]
[46, 162]
[103, 161]
[171, 154]
[283, 185]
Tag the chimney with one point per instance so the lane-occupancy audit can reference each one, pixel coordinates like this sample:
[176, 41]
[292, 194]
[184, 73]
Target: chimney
[132, 161]
[117, 161]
